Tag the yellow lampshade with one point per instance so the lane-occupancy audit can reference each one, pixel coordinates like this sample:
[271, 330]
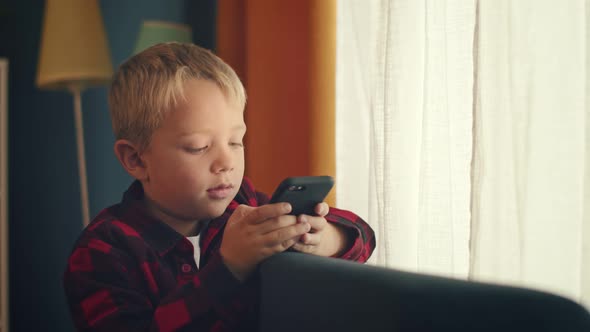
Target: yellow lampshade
[74, 50]
[154, 32]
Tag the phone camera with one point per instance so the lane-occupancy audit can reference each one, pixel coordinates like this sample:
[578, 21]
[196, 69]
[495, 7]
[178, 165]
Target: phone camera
[296, 188]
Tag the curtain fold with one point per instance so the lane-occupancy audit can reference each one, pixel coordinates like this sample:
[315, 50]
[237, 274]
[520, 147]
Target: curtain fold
[285, 51]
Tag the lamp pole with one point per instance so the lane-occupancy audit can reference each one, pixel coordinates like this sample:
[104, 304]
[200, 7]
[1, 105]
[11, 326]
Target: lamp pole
[76, 91]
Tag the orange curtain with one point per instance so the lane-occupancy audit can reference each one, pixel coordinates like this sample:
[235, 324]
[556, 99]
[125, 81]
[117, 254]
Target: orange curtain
[284, 51]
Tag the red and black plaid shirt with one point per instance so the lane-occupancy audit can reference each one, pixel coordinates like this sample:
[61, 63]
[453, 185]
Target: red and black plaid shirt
[130, 272]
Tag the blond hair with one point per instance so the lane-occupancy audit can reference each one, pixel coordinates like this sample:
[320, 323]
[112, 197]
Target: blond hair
[149, 84]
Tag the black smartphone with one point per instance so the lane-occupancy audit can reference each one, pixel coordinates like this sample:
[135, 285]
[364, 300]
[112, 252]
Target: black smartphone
[303, 193]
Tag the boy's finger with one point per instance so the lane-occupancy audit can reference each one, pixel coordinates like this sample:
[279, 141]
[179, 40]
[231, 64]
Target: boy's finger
[310, 239]
[286, 245]
[272, 224]
[262, 213]
[281, 235]
[317, 223]
[322, 209]
[304, 248]
[242, 211]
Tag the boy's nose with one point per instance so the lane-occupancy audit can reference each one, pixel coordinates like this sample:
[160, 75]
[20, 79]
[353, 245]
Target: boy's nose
[223, 162]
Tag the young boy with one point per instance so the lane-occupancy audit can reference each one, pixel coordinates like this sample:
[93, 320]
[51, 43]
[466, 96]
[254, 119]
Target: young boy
[180, 250]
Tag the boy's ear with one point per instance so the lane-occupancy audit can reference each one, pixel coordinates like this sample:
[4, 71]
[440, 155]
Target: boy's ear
[129, 157]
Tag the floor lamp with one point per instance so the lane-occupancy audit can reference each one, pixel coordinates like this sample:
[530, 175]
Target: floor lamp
[74, 55]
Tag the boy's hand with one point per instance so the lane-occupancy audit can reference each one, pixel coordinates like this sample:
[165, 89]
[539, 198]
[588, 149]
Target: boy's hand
[253, 234]
[324, 238]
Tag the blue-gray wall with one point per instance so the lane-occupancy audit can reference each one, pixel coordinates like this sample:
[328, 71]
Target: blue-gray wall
[45, 217]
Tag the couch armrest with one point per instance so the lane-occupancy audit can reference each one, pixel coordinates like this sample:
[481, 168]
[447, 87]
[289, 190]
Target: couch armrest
[308, 293]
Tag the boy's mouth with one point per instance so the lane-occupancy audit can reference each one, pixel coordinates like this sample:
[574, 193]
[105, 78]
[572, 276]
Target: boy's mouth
[221, 191]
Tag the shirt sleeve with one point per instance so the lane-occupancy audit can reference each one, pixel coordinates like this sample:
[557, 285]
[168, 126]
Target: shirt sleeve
[361, 236]
[103, 286]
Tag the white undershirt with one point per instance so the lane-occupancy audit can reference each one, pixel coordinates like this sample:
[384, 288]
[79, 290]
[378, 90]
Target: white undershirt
[197, 252]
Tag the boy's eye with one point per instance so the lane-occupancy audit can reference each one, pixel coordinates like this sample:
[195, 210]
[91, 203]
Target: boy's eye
[195, 150]
[236, 144]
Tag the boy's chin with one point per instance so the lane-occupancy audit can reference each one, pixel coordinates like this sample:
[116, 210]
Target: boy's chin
[217, 210]
[215, 214]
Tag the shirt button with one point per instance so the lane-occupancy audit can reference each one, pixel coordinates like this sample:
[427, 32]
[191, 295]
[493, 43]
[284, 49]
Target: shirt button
[186, 268]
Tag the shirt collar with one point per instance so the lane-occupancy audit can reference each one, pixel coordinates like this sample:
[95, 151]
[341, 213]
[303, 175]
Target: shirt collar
[157, 234]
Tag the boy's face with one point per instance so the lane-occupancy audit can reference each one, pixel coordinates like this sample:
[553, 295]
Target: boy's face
[195, 160]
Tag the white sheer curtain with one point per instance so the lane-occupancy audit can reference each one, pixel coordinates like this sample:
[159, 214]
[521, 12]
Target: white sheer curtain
[530, 157]
[406, 124]
[462, 136]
